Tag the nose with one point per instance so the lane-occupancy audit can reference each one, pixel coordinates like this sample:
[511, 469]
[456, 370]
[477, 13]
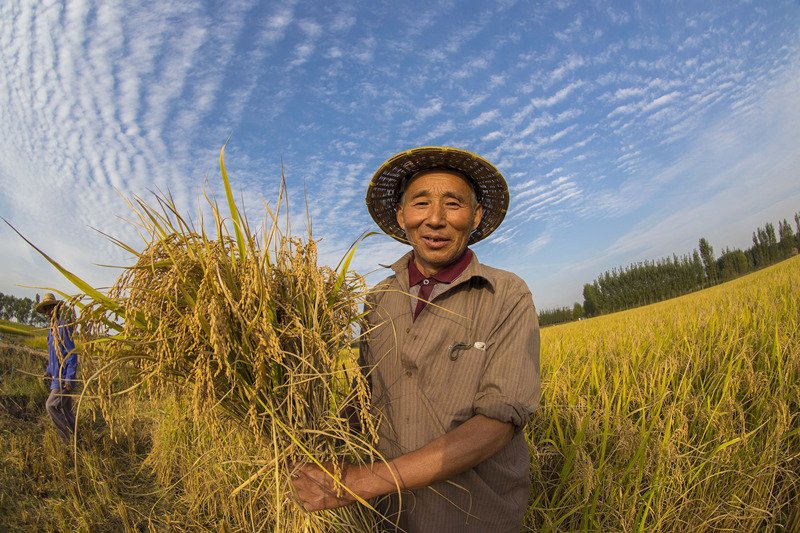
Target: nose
[436, 216]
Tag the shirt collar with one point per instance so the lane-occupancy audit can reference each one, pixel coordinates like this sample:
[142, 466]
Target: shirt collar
[447, 275]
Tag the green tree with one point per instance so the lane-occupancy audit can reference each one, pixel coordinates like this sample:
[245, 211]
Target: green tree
[23, 307]
[707, 255]
[772, 242]
[787, 239]
[591, 299]
[797, 223]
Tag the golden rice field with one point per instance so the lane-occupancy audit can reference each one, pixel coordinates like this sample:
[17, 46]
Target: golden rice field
[223, 358]
[682, 416]
[677, 417]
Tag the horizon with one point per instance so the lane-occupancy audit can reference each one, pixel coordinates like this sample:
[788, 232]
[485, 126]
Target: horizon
[619, 268]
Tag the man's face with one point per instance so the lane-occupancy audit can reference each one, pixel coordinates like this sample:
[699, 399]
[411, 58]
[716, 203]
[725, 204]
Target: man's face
[438, 216]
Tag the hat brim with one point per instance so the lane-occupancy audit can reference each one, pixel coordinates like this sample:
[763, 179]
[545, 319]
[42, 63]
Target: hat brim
[384, 188]
[41, 306]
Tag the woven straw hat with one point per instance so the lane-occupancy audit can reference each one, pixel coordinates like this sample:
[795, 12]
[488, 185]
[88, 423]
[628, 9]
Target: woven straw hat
[48, 300]
[490, 187]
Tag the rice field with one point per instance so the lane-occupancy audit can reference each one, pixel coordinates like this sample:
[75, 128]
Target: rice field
[680, 416]
[222, 358]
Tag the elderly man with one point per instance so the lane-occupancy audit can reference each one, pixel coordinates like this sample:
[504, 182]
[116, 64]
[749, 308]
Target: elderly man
[452, 352]
[61, 369]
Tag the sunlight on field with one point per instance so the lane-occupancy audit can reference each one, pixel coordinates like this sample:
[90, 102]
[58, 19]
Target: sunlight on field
[680, 416]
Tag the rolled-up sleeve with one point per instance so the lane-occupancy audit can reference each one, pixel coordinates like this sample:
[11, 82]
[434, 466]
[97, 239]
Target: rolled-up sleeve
[511, 385]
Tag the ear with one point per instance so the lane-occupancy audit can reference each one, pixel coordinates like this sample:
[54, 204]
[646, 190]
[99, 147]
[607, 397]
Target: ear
[399, 214]
[478, 217]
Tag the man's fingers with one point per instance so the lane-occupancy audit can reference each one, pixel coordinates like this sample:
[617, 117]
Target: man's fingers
[312, 488]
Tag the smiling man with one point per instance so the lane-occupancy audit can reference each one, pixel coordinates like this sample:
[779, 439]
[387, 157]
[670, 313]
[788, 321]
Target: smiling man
[452, 354]
[438, 211]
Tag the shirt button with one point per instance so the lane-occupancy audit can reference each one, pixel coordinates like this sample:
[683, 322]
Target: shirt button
[426, 282]
[408, 329]
[409, 373]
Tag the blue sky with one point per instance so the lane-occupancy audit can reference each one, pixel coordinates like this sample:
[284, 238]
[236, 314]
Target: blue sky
[626, 130]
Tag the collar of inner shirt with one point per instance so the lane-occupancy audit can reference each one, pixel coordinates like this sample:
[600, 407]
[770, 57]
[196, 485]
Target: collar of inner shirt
[446, 275]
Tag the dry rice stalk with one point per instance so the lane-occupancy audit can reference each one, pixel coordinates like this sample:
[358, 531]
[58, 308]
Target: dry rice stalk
[247, 331]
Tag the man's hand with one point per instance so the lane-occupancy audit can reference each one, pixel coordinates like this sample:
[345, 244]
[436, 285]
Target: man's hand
[68, 386]
[472, 442]
[316, 490]
[45, 378]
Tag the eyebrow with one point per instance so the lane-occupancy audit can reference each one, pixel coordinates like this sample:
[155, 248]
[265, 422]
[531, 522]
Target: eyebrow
[448, 194]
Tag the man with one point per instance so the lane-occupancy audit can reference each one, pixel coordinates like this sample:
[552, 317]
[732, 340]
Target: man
[61, 368]
[452, 351]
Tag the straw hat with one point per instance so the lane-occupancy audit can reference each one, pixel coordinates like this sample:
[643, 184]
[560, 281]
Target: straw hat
[49, 300]
[384, 189]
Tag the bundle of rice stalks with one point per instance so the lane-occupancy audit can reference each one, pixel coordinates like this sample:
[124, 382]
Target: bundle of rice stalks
[246, 328]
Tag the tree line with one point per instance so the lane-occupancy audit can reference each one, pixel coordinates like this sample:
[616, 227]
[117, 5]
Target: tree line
[649, 282]
[21, 310]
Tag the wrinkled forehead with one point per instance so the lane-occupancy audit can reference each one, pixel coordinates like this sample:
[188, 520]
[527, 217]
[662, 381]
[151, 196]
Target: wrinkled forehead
[407, 180]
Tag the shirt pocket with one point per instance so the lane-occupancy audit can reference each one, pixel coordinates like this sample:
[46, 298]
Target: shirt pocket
[452, 381]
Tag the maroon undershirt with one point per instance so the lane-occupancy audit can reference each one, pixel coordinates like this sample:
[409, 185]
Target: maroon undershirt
[447, 275]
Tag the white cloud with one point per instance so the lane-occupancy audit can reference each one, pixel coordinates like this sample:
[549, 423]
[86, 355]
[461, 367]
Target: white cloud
[302, 54]
[277, 23]
[661, 101]
[365, 52]
[485, 117]
[342, 22]
[439, 131]
[539, 243]
[571, 64]
[433, 108]
[311, 28]
[472, 101]
[629, 92]
[558, 97]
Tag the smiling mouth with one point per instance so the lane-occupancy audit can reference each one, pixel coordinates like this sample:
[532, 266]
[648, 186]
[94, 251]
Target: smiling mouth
[435, 241]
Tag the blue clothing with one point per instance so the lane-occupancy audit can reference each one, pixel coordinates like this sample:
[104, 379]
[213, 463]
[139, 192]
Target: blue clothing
[63, 364]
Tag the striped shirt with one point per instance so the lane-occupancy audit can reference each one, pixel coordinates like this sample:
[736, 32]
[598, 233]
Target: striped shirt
[474, 349]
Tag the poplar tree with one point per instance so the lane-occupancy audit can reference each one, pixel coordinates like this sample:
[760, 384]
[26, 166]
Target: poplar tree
[787, 243]
[707, 255]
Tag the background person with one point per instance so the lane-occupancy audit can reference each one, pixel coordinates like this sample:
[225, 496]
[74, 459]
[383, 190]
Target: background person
[61, 369]
[452, 351]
